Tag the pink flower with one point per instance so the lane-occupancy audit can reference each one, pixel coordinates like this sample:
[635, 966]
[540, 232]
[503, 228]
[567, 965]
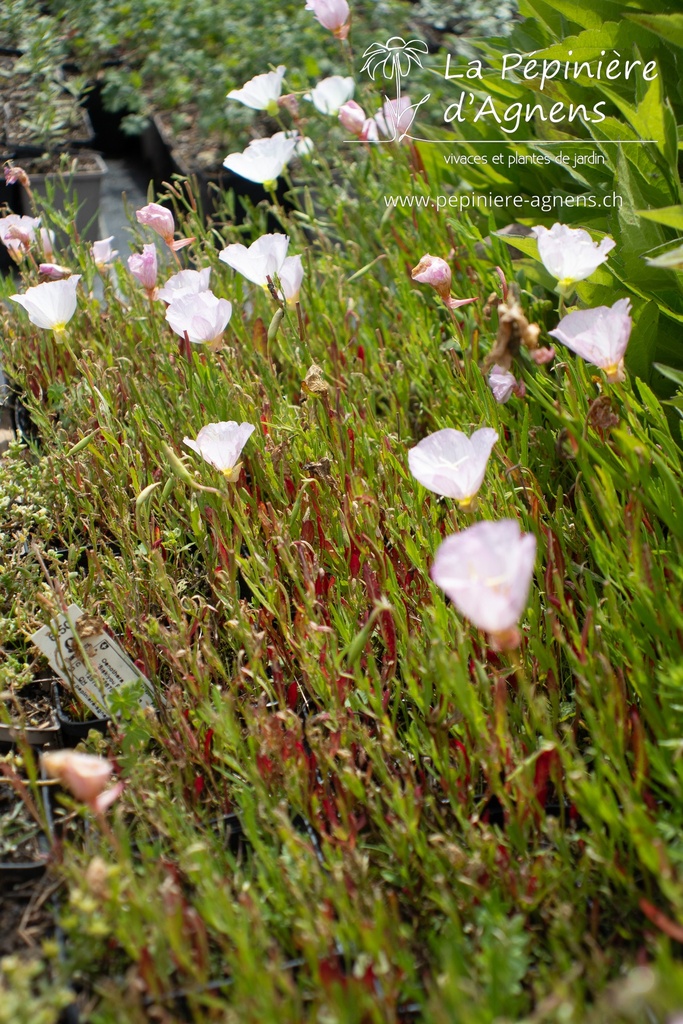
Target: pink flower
[221, 444]
[54, 271]
[333, 15]
[599, 335]
[84, 775]
[542, 355]
[202, 316]
[395, 117]
[263, 259]
[52, 304]
[185, 282]
[436, 272]
[291, 275]
[102, 252]
[503, 384]
[486, 571]
[159, 219]
[143, 267]
[353, 118]
[452, 464]
[18, 234]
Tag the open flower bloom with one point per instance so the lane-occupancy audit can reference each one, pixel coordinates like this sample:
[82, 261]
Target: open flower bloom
[436, 272]
[203, 317]
[486, 571]
[18, 234]
[261, 92]
[333, 15]
[84, 775]
[450, 463]
[331, 94]
[52, 304]
[159, 219]
[263, 259]
[143, 267]
[570, 254]
[102, 252]
[263, 160]
[503, 384]
[185, 282]
[221, 444]
[352, 116]
[599, 335]
[291, 275]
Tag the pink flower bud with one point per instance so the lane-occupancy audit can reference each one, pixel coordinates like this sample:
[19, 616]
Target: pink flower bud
[54, 272]
[541, 356]
[502, 383]
[159, 219]
[143, 267]
[333, 15]
[434, 271]
[352, 116]
[84, 775]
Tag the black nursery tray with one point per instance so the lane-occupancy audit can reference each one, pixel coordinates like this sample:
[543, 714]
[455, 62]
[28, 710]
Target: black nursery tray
[74, 730]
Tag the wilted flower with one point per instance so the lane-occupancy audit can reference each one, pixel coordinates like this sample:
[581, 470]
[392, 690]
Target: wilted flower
[436, 272]
[331, 94]
[16, 176]
[84, 775]
[54, 271]
[102, 252]
[486, 571]
[159, 219]
[263, 259]
[261, 92]
[503, 384]
[671, 260]
[202, 316]
[18, 234]
[52, 304]
[143, 267]
[599, 335]
[263, 160]
[291, 274]
[221, 444]
[452, 464]
[352, 116]
[570, 254]
[333, 15]
[185, 282]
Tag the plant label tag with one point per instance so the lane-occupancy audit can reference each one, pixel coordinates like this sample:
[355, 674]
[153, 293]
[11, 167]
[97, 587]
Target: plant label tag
[105, 667]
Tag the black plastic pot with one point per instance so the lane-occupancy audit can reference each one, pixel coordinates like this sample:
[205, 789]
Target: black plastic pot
[35, 736]
[12, 872]
[74, 731]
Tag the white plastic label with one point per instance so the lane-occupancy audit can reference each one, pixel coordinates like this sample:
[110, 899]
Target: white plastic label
[109, 668]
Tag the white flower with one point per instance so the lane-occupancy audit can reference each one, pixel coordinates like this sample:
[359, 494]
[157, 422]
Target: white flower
[185, 282]
[486, 571]
[291, 275]
[331, 94]
[264, 159]
[261, 92]
[599, 335]
[52, 304]
[450, 463]
[102, 252]
[221, 444]
[263, 259]
[18, 234]
[202, 316]
[570, 254]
